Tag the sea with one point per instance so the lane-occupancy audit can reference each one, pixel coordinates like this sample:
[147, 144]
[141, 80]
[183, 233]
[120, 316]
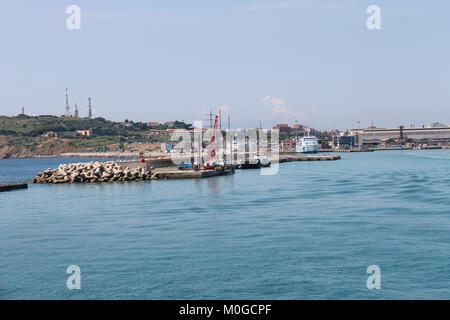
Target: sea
[314, 230]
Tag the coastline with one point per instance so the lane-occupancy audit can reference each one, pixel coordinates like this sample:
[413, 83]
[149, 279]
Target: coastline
[164, 155]
[89, 155]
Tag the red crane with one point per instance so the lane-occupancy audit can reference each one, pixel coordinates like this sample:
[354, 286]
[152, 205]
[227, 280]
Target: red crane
[212, 154]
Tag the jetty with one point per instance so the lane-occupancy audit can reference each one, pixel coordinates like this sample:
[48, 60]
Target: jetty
[151, 169]
[308, 157]
[112, 171]
[9, 187]
[347, 150]
[176, 173]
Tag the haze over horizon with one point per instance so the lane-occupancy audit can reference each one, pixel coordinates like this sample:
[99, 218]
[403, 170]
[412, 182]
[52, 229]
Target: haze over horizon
[274, 61]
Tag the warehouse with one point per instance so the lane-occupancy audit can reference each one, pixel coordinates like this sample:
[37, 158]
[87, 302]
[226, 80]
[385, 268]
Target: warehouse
[379, 136]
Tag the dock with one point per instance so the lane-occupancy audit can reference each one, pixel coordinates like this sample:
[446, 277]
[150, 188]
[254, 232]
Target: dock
[150, 169]
[308, 157]
[9, 187]
[175, 173]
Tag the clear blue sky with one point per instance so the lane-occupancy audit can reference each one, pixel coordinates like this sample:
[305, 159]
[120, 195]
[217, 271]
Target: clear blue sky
[276, 61]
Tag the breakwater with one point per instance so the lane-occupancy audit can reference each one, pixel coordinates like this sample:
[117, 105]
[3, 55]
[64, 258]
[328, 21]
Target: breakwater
[151, 169]
[92, 172]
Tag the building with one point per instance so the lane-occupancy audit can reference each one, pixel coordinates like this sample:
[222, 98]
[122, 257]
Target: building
[166, 146]
[85, 133]
[297, 129]
[157, 132]
[288, 145]
[73, 134]
[380, 136]
[344, 142]
[126, 124]
[153, 123]
[170, 124]
[283, 128]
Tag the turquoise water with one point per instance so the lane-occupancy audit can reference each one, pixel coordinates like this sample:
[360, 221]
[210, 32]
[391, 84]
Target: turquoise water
[309, 232]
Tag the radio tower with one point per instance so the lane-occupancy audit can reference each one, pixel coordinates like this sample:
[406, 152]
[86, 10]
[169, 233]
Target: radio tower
[67, 105]
[89, 108]
[75, 114]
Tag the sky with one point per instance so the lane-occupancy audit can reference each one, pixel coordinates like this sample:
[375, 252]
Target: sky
[311, 61]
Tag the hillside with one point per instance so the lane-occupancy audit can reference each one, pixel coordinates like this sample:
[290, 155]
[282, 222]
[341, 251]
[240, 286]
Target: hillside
[47, 136]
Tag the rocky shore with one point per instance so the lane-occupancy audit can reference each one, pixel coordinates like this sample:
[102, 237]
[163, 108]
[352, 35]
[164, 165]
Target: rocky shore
[91, 172]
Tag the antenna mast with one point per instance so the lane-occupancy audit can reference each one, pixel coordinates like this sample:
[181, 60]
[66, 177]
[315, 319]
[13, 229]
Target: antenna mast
[67, 104]
[89, 108]
[210, 120]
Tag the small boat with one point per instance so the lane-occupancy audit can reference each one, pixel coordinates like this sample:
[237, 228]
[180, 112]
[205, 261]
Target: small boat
[209, 165]
[263, 161]
[256, 163]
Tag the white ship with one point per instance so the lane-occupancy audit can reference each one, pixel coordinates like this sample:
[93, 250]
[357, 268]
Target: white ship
[308, 144]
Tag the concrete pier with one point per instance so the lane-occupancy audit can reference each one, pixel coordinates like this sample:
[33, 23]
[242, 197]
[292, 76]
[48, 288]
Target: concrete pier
[175, 173]
[134, 164]
[308, 157]
[148, 165]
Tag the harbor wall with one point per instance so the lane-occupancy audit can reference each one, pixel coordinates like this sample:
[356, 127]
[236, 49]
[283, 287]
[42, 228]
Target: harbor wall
[133, 164]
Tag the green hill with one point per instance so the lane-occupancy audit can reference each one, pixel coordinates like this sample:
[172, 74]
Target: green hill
[23, 135]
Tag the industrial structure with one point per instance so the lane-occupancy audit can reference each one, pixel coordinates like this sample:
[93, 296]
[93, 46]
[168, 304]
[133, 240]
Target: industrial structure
[75, 114]
[67, 114]
[89, 108]
[401, 135]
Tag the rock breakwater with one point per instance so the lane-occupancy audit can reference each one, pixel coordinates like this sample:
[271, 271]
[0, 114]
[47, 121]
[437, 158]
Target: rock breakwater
[91, 172]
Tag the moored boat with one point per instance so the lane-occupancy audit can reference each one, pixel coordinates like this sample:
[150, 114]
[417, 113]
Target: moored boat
[307, 144]
[255, 163]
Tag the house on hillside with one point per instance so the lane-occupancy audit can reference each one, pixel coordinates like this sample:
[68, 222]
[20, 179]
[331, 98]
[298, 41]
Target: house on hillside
[170, 124]
[85, 133]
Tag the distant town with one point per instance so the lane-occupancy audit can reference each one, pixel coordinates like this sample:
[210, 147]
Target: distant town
[50, 135]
